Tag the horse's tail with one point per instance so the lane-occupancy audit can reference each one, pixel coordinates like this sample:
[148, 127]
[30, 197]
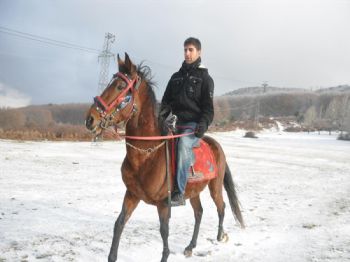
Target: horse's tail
[232, 196]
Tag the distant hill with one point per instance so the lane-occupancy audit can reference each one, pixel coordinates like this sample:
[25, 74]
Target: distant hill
[261, 90]
[337, 89]
[326, 108]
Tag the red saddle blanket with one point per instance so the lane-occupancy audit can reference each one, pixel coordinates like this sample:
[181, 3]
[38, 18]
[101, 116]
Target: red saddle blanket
[205, 167]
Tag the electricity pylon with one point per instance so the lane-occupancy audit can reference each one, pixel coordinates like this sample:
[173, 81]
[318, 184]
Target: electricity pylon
[104, 59]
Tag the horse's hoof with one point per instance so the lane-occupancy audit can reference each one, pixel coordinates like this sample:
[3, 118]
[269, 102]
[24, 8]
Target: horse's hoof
[224, 238]
[165, 255]
[111, 258]
[188, 253]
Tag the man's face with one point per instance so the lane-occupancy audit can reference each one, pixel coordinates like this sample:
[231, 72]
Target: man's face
[191, 54]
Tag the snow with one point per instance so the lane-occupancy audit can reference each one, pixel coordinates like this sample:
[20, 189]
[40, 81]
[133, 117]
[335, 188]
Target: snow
[59, 202]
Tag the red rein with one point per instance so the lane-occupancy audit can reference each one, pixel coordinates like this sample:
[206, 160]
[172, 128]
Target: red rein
[158, 137]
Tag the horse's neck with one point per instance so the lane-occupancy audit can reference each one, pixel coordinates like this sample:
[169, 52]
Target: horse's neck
[149, 167]
[143, 123]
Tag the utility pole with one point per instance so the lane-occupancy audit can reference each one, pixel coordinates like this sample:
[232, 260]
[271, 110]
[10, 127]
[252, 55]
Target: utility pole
[264, 85]
[257, 113]
[104, 59]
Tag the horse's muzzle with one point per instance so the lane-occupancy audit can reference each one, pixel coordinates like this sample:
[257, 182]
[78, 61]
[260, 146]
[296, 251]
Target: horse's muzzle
[88, 122]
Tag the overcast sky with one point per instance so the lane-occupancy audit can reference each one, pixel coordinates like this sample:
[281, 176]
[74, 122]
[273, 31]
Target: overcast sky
[288, 43]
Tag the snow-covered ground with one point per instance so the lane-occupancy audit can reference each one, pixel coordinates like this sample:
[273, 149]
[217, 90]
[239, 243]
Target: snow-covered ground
[59, 202]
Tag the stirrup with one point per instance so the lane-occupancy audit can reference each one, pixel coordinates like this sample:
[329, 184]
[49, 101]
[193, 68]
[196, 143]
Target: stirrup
[177, 200]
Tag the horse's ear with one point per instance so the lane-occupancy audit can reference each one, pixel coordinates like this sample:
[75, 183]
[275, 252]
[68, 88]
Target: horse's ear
[119, 60]
[129, 65]
[127, 58]
[121, 63]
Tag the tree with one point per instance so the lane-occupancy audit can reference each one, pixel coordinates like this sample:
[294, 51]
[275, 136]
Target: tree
[338, 111]
[310, 117]
[11, 119]
[37, 117]
[344, 108]
[346, 115]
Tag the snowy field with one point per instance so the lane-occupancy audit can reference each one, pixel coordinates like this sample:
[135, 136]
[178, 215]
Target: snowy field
[59, 202]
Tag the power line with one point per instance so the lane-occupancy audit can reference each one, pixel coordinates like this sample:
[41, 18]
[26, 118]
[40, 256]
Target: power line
[46, 40]
[65, 44]
[225, 78]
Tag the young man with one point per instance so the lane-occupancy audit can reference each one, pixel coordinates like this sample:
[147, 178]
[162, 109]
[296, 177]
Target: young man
[189, 96]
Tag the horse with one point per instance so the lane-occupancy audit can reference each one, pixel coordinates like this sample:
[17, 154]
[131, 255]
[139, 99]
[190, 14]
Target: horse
[129, 100]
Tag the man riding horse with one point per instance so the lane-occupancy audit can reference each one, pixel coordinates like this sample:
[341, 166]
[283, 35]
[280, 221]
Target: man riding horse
[189, 96]
[129, 99]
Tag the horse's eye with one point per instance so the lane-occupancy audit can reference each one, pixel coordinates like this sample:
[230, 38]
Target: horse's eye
[121, 86]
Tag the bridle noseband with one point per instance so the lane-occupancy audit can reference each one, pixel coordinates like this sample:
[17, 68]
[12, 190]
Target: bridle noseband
[119, 103]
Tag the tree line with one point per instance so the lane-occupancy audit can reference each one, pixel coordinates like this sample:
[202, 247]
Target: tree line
[52, 122]
[312, 111]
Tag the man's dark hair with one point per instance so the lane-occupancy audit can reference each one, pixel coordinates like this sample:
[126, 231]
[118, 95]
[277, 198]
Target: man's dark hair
[193, 41]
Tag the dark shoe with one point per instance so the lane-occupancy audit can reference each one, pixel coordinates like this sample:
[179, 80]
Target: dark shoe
[177, 200]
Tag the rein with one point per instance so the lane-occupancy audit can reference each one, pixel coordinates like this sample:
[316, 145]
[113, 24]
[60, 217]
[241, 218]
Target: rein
[168, 137]
[152, 138]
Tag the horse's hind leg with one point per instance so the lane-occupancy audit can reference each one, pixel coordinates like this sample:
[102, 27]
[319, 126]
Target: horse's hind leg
[216, 195]
[198, 211]
[163, 212]
[129, 205]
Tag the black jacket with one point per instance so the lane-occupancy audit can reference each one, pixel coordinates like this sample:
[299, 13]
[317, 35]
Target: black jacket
[189, 94]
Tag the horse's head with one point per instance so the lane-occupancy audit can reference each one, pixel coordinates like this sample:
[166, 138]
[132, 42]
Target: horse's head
[116, 104]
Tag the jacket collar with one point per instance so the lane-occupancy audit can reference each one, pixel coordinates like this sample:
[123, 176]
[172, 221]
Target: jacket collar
[189, 67]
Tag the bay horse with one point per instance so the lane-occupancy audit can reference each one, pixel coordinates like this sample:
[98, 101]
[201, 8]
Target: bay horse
[129, 99]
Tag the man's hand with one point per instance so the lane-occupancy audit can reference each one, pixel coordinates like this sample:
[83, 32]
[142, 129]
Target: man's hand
[201, 129]
[166, 120]
[163, 113]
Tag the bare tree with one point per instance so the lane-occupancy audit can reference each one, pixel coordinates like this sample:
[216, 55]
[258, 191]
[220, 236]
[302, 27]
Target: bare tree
[346, 122]
[344, 108]
[11, 119]
[338, 111]
[310, 117]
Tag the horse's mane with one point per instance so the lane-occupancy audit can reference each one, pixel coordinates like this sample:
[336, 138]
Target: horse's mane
[145, 73]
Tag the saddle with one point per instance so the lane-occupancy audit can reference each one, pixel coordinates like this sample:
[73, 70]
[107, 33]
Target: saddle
[204, 168]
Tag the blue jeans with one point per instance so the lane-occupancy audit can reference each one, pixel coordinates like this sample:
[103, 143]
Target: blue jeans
[185, 156]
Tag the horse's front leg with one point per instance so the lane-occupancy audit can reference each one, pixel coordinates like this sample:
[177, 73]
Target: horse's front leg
[129, 204]
[164, 215]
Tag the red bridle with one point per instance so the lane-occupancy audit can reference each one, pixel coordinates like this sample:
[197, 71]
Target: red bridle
[104, 108]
